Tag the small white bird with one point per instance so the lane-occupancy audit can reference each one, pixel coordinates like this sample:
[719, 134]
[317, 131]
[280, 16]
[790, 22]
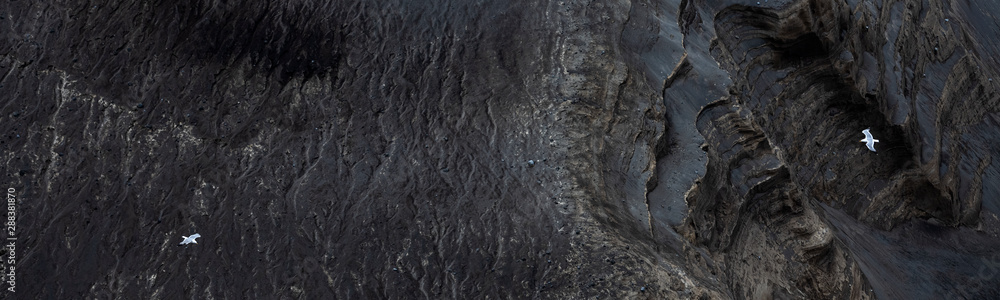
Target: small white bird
[190, 239]
[869, 140]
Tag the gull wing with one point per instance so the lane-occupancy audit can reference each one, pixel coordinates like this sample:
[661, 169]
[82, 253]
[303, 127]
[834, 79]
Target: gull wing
[869, 140]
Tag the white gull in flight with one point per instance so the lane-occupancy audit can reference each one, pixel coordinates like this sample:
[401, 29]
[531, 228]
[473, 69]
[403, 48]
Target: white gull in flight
[190, 239]
[869, 140]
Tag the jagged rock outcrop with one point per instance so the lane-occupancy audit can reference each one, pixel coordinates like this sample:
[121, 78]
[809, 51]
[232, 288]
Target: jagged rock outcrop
[808, 76]
[756, 221]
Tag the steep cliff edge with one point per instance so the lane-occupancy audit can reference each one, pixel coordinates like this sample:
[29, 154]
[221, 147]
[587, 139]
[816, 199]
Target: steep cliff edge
[916, 218]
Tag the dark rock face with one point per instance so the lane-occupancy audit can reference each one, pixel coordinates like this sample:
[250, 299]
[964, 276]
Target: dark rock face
[550, 149]
[334, 148]
[917, 218]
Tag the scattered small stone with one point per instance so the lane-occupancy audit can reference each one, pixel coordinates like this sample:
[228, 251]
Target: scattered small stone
[531, 163]
[642, 289]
